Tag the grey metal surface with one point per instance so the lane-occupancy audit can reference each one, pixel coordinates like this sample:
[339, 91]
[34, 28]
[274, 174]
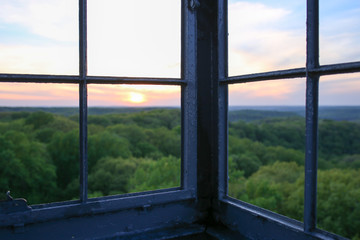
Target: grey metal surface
[189, 98]
[83, 101]
[312, 104]
[131, 221]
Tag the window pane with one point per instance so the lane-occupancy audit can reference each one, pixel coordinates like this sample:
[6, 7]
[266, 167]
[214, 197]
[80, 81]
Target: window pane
[137, 38]
[339, 155]
[39, 37]
[266, 35]
[339, 31]
[134, 138]
[39, 156]
[266, 145]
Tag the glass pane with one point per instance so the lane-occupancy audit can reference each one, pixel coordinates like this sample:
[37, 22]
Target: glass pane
[39, 37]
[137, 38]
[39, 146]
[266, 145]
[266, 35]
[339, 31]
[339, 155]
[134, 138]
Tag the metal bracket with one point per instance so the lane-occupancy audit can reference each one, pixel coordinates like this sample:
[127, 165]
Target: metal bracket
[11, 205]
[194, 4]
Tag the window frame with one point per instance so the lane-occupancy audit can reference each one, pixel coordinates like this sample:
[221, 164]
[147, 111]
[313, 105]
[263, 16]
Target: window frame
[234, 214]
[312, 73]
[187, 83]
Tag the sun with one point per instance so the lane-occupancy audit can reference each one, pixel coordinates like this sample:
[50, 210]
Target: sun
[135, 97]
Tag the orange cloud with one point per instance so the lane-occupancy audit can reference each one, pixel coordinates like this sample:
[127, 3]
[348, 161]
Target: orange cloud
[22, 97]
[278, 92]
[38, 94]
[133, 95]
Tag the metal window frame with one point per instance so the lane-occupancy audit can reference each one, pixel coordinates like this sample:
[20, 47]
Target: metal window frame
[202, 197]
[142, 200]
[253, 217]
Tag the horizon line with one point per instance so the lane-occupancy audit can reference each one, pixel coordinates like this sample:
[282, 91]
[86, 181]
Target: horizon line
[172, 106]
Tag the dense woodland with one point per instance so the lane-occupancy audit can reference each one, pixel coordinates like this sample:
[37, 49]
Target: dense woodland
[134, 151]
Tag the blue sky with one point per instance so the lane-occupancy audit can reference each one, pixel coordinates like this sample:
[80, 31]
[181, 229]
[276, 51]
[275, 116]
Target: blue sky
[41, 37]
[270, 35]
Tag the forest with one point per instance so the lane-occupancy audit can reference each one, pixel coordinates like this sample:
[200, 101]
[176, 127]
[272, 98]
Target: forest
[133, 150]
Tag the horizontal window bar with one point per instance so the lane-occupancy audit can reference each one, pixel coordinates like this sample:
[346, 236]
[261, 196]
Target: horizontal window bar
[294, 73]
[337, 68]
[89, 79]
[38, 78]
[46, 212]
[255, 210]
[259, 213]
[130, 80]
[273, 75]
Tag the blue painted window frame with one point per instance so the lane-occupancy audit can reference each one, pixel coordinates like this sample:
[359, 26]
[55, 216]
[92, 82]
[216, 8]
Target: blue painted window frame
[312, 72]
[85, 206]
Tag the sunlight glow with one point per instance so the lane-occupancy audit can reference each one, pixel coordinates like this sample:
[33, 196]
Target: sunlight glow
[133, 95]
[136, 97]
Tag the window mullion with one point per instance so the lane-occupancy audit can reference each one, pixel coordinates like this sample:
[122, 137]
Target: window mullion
[222, 28]
[188, 96]
[83, 99]
[312, 104]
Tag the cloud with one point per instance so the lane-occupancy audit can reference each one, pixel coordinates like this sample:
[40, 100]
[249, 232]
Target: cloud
[38, 94]
[54, 25]
[341, 89]
[118, 95]
[261, 38]
[30, 59]
[339, 31]
[271, 36]
[126, 39]
[274, 92]
[49, 94]
[56, 19]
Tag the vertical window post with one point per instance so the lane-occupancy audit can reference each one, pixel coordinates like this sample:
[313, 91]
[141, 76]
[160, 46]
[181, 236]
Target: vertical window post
[222, 23]
[188, 91]
[83, 99]
[312, 99]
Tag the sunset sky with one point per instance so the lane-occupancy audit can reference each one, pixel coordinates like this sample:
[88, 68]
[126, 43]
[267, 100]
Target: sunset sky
[141, 38]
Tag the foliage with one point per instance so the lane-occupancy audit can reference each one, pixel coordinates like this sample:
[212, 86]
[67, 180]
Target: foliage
[266, 161]
[252, 115]
[26, 168]
[132, 150]
[39, 152]
[152, 175]
[339, 201]
[111, 175]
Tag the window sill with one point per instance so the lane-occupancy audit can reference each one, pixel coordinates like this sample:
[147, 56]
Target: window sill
[52, 211]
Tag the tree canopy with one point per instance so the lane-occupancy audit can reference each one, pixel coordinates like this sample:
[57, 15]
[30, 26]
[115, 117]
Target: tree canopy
[133, 151]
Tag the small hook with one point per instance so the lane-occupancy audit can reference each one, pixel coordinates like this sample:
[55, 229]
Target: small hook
[194, 4]
[9, 198]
